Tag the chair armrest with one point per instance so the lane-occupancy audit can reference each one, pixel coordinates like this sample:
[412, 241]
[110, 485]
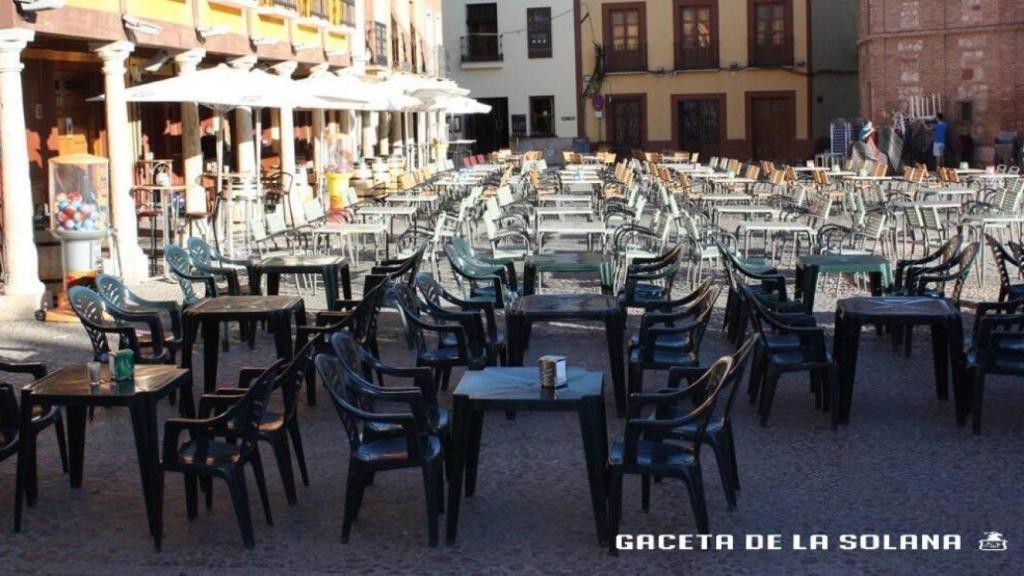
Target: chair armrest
[35, 369]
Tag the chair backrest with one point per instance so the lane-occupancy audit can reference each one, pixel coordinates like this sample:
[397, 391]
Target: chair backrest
[710, 387]
[112, 290]
[199, 252]
[180, 264]
[246, 414]
[90, 309]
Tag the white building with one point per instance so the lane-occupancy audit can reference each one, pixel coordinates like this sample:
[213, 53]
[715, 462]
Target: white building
[518, 56]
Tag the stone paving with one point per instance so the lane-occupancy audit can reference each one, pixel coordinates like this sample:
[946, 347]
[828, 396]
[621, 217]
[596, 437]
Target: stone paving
[901, 466]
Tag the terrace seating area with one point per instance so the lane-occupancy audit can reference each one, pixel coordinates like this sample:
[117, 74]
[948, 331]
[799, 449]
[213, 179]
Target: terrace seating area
[666, 284]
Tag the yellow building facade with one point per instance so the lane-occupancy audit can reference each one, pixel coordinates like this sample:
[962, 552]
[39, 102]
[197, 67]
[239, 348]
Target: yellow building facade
[720, 77]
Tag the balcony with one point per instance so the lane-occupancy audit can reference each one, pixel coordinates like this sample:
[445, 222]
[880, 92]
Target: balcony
[626, 59]
[695, 56]
[478, 48]
[773, 54]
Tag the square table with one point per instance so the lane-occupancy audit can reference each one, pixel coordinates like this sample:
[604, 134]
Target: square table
[537, 264]
[69, 387]
[579, 307]
[276, 310]
[808, 267]
[902, 311]
[330, 268]
[519, 390]
[585, 229]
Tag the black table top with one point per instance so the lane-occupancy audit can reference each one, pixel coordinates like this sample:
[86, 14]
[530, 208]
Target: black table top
[565, 305]
[243, 305]
[73, 382]
[299, 260]
[870, 309]
[523, 385]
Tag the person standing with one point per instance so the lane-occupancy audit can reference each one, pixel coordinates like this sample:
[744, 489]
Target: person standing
[939, 142]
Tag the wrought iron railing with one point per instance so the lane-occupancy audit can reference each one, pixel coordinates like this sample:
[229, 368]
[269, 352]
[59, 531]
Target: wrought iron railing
[625, 59]
[697, 55]
[484, 47]
[778, 52]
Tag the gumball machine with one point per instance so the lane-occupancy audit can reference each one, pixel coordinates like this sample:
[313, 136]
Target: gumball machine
[79, 200]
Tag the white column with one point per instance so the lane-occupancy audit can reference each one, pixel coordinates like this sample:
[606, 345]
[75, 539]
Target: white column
[396, 131]
[384, 134]
[286, 123]
[245, 146]
[23, 290]
[119, 151]
[369, 132]
[319, 127]
[191, 148]
[421, 138]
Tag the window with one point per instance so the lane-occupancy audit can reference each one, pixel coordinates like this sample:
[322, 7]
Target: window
[966, 109]
[625, 35]
[482, 42]
[771, 34]
[696, 34]
[542, 115]
[538, 32]
[380, 44]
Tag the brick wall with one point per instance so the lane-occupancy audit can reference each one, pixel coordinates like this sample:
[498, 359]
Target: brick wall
[964, 50]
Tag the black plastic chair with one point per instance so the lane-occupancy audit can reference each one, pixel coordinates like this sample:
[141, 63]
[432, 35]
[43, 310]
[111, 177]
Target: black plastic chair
[481, 281]
[998, 348]
[770, 288]
[188, 277]
[92, 311]
[645, 452]
[434, 297]
[276, 426]
[207, 260]
[208, 453]
[649, 281]
[719, 433]
[358, 317]
[904, 277]
[467, 330]
[790, 343]
[42, 418]
[671, 339]
[1007, 289]
[414, 447]
[932, 281]
[117, 296]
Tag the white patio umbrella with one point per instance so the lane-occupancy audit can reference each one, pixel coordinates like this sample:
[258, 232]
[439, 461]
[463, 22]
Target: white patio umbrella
[459, 105]
[223, 88]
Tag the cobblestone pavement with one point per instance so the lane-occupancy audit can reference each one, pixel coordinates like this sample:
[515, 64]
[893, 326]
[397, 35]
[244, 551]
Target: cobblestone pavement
[901, 466]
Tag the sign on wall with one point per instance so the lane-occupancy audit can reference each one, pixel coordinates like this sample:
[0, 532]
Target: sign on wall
[538, 32]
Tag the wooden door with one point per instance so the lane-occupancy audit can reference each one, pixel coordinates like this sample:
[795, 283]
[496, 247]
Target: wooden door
[626, 121]
[699, 125]
[772, 127]
[490, 130]
[76, 117]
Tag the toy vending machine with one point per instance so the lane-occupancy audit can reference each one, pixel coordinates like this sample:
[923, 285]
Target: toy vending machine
[79, 200]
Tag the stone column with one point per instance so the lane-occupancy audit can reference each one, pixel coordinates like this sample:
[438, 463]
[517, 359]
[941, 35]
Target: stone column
[396, 131]
[245, 145]
[286, 123]
[383, 135]
[369, 132]
[319, 125]
[23, 290]
[119, 151]
[191, 148]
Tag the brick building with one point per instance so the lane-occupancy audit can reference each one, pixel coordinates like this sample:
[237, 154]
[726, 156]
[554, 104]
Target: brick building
[964, 51]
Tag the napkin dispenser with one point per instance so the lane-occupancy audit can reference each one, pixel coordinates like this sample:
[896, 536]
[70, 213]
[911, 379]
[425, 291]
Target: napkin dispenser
[552, 371]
